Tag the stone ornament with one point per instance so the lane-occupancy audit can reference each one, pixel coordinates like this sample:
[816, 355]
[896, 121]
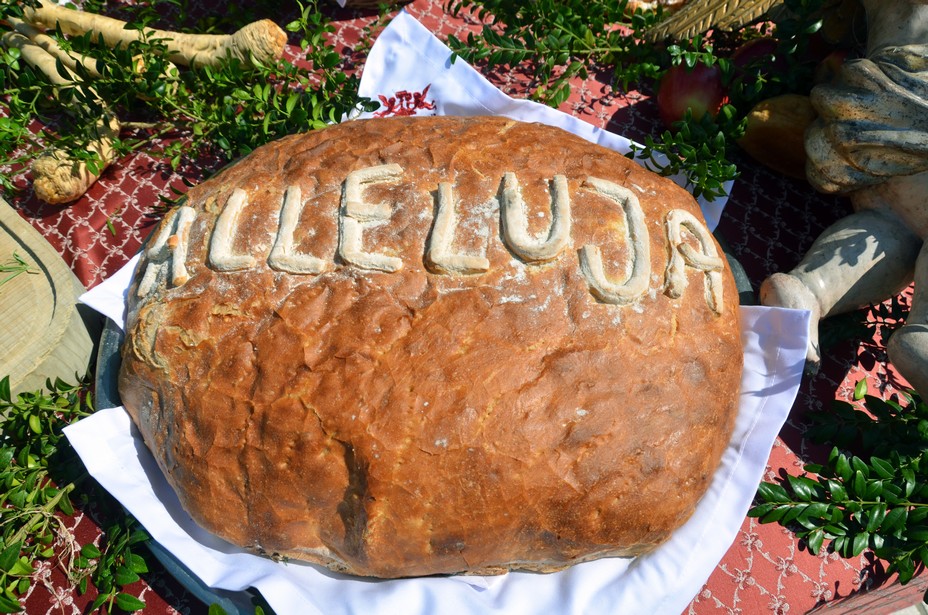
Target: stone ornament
[870, 142]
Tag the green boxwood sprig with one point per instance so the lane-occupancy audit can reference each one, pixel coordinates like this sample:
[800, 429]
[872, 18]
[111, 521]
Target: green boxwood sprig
[871, 493]
[41, 477]
[559, 39]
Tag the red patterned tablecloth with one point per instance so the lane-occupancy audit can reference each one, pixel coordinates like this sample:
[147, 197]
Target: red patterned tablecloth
[769, 223]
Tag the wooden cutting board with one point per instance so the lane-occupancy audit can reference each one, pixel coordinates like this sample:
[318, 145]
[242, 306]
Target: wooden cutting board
[43, 332]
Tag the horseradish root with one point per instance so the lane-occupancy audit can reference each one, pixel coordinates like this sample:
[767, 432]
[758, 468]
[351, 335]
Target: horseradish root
[258, 42]
[59, 178]
[35, 56]
[69, 58]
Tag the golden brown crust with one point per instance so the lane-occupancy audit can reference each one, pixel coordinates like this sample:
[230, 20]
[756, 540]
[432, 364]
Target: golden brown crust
[418, 421]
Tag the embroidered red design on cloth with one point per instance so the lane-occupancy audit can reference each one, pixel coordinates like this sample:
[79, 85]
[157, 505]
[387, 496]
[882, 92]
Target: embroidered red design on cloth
[404, 103]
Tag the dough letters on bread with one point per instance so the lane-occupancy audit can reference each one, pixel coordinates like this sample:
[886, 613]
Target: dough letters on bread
[418, 346]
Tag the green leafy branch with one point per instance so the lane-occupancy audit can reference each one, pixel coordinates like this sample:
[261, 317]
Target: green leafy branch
[560, 39]
[39, 475]
[113, 568]
[565, 40]
[875, 498]
[697, 150]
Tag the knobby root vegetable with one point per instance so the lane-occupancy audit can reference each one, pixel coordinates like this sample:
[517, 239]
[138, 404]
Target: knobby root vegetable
[46, 42]
[35, 56]
[56, 176]
[262, 40]
[69, 58]
[59, 178]
[700, 16]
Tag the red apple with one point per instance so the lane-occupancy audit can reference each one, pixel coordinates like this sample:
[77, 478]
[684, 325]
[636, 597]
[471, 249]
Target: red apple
[755, 50]
[698, 89]
[754, 59]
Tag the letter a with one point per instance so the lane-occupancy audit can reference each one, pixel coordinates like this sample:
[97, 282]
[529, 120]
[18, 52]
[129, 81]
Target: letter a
[683, 255]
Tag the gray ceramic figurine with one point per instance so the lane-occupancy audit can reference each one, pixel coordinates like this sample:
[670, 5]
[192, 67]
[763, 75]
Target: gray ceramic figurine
[870, 142]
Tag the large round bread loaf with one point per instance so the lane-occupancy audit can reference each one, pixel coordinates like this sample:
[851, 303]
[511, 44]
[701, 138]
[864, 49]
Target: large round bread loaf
[435, 345]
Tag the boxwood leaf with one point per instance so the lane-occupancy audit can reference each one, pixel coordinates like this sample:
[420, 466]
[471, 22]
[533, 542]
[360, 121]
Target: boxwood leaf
[128, 602]
[860, 543]
[836, 489]
[843, 468]
[894, 519]
[873, 490]
[877, 515]
[21, 567]
[801, 488]
[917, 514]
[919, 534]
[775, 515]
[814, 540]
[860, 466]
[906, 569]
[9, 556]
[98, 602]
[762, 509]
[8, 605]
[859, 484]
[883, 468]
[860, 390]
[136, 563]
[65, 506]
[923, 554]
[772, 492]
[124, 576]
[138, 536]
[840, 544]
